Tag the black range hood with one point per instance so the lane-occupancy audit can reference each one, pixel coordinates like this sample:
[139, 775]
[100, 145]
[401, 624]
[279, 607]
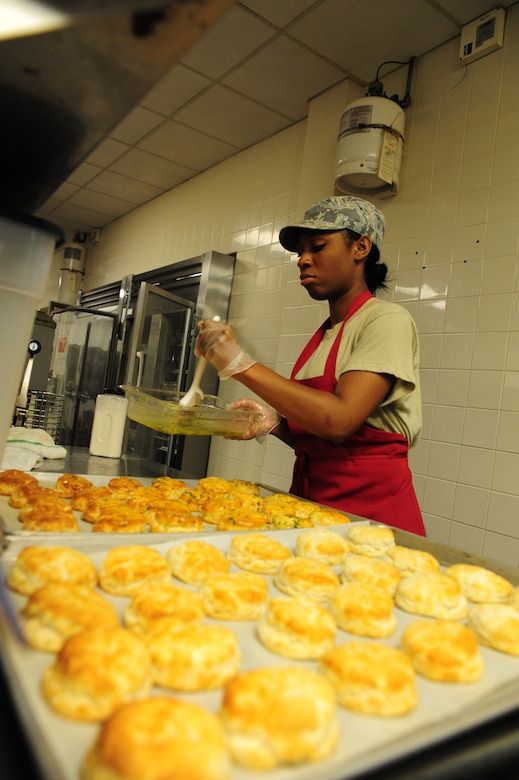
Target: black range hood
[63, 90]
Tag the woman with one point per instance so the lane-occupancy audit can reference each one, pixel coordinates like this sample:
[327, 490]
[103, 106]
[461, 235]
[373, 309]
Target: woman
[351, 408]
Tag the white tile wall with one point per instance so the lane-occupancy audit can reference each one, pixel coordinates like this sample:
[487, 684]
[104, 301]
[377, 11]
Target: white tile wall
[452, 246]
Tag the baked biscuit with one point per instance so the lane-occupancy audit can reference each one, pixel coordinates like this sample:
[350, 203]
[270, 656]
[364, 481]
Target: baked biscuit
[370, 571]
[28, 492]
[100, 505]
[409, 561]
[59, 610]
[142, 497]
[242, 519]
[171, 521]
[157, 738]
[95, 672]
[514, 598]
[296, 628]
[37, 566]
[239, 486]
[82, 498]
[41, 497]
[258, 553]
[325, 515]
[279, 716]
[225, 506]
[323, 545]
[122, 521]
[496, 625]
[161, 505]
[372, 540]
[126, 569]
[432, 595]
[159, 600]
[195, 560]
[306, 577]
[10, 479]
[196, 498]
[192, 658]
[67, 485]
[214, 485]
[119, 518]
[443, 650]
[237, 596]
[44, 516]
[124, 486]
[371, 678]
[284, 511]
[479, 584]
[168, 486]
[364, 610]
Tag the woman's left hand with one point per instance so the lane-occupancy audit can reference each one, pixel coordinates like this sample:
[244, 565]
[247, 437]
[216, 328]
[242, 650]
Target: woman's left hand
[258, 431]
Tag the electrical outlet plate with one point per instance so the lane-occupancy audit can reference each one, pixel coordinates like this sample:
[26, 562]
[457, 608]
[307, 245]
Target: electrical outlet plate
[482, 36]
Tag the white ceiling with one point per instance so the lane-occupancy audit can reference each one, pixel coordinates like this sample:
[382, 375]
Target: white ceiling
[248, 77]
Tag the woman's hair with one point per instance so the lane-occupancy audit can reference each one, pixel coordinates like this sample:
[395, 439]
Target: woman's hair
[375, 272]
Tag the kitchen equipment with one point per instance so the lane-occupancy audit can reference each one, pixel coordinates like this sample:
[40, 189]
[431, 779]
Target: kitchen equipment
[195, 394]
[26, 253]
[108, 427]
[161, 410]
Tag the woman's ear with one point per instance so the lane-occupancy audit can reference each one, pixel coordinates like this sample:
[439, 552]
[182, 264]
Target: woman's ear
[363, 247]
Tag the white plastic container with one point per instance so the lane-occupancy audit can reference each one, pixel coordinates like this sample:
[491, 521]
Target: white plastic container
[108, 426]
[26, 250]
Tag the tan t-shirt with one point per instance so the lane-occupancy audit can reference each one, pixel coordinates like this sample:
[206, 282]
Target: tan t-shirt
[380, 337]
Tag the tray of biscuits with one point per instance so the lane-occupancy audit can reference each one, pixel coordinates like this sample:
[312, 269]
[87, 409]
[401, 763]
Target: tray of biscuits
[296, 653]
[71, 503]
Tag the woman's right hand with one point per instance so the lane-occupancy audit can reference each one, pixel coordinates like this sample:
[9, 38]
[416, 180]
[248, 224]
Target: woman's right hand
[217, 342]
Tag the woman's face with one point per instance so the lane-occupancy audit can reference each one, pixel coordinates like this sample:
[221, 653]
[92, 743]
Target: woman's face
[328, 267]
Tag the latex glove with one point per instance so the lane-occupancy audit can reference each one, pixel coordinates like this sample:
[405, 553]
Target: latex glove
[261, 431]
[217, 342]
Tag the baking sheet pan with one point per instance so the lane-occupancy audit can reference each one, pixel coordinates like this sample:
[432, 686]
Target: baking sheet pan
[10, 524]
[366, 742]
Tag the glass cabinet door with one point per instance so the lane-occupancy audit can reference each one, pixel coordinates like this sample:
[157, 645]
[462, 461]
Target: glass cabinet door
[160, 340]
[158, 359]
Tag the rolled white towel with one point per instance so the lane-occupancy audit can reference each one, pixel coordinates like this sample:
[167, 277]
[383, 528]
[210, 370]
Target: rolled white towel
[36, 440]
[20, 458]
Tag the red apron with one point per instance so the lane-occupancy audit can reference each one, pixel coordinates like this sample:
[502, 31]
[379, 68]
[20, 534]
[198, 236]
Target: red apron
[368, 474]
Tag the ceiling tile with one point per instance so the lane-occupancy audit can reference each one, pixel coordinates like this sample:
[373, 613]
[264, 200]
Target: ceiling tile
[83, 219]
[235, 36]
[136, 125]
[185, 145]
[174, 90]
[107, 151]
[98, 201]
[284, 76]
[152, 169]
[278, 13]
[123, 187]
[345, 31]
[83, 173]
[226, 115]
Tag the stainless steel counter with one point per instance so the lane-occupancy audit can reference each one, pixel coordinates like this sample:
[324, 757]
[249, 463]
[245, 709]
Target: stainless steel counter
[79, 461]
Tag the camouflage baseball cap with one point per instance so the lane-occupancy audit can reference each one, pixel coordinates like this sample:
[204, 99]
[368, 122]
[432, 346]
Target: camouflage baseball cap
[337, 213]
